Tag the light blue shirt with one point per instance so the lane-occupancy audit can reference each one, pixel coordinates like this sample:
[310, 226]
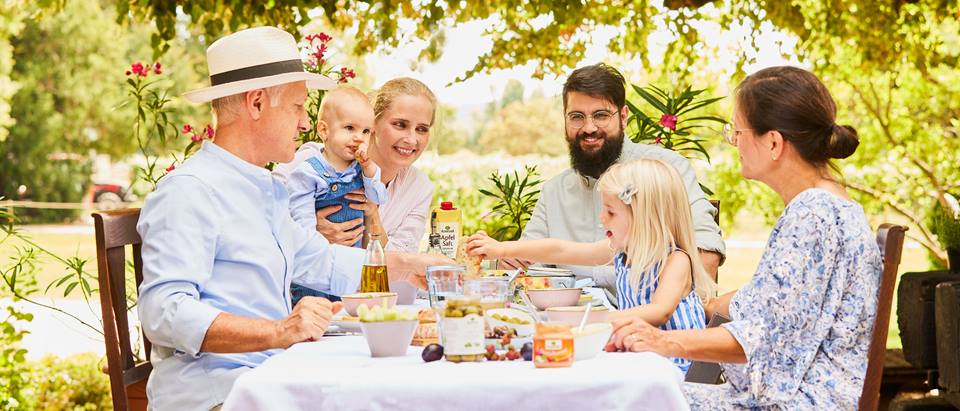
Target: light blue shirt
[305, 184]
[218, 237]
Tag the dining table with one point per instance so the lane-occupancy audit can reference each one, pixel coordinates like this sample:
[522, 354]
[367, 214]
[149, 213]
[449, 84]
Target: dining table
[338, 373]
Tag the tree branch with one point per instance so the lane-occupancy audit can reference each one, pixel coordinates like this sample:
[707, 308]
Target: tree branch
[927, 241]
[884, 121]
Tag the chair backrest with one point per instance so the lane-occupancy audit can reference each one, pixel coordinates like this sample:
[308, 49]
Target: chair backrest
[890, 239]
[115, 230]
[707, 372]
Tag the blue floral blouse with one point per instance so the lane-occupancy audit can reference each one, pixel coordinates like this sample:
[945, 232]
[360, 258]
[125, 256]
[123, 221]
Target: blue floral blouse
[805, 319]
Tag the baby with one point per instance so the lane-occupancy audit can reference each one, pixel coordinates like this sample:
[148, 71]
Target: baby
[345, 123]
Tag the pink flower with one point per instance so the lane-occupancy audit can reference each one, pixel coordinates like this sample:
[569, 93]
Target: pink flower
[346, 74]
[669, 121]
[138, 69]
[187, 128]
[321, 37]
[172, 166]
[156, 68]
[657, 141]
[208, 131]
[196, 138]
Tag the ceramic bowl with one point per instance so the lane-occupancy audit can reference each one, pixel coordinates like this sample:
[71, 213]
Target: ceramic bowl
[351, 302]
[573, 315]
[523, 330]
[554, 297]
[389, 338]
[588, 344]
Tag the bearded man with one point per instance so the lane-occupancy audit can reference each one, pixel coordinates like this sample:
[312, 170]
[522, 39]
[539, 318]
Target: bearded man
[595, 116]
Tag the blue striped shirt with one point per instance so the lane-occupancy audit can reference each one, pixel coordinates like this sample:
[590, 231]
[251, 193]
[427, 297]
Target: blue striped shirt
[688, 315]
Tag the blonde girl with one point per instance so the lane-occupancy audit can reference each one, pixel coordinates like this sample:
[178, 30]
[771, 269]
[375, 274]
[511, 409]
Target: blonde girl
[650, 240]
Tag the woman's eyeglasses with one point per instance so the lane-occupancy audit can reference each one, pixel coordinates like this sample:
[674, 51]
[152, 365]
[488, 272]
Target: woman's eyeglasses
[732, 135]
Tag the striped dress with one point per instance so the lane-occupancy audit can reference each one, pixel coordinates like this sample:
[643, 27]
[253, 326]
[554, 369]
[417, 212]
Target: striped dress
[689, 313]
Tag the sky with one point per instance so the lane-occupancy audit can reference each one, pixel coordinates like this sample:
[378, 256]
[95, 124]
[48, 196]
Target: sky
[466, 42]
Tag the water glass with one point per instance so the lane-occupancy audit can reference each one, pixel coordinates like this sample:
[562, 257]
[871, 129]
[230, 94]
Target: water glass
[443, 282]
[493, 291]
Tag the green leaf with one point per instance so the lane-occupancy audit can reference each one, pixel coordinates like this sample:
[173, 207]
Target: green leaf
[69, 288]
[700, 104]
[650, 99]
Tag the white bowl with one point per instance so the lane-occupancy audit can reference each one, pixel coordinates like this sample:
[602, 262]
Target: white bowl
[389, 338]
[573, 315]
[588, 344]
[523, 330]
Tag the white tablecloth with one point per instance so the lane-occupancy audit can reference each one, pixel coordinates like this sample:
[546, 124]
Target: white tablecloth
[337, 373]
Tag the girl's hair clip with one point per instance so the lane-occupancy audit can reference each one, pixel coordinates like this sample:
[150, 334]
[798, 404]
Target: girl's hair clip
[627, 194]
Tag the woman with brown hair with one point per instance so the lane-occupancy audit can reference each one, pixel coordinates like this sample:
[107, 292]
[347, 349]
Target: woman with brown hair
[800, 330]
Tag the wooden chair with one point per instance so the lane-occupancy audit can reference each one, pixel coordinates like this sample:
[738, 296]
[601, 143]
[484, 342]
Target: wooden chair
[890, 239]
[707, 372]
[115, 230]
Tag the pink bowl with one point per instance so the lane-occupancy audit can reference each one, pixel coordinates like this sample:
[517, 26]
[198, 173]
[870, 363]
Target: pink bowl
[389, 338]
[554, 297]
[572, 315]
[351, 302]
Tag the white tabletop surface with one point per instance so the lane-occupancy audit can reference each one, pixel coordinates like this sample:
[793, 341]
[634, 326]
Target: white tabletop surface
[338, 373]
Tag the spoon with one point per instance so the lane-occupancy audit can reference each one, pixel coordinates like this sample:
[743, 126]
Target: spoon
[511, 276]
[586, 313]
[533, 310]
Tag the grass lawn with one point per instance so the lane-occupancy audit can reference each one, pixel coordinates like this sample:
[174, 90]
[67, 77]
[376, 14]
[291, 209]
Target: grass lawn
[64, 244]
[736, 271]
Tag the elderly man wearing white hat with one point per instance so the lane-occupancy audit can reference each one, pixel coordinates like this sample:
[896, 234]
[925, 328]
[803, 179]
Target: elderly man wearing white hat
[219, 246]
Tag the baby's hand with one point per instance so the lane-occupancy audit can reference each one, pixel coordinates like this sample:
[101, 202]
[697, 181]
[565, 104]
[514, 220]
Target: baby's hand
[361, 154]
[481, 244]
[368, 166]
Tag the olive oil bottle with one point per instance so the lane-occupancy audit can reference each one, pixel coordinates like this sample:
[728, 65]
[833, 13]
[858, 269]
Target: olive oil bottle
[373, 278]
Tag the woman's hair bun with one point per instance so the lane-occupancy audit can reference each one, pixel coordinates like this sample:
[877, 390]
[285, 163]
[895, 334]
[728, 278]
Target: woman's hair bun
[843, 142]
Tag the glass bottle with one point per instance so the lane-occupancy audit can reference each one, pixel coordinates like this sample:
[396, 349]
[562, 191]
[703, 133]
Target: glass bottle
[373, 278]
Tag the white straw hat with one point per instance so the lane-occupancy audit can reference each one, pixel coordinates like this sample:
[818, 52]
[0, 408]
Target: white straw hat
[253, 59]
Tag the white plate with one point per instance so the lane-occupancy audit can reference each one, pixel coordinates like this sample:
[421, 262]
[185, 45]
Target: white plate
[349, 326]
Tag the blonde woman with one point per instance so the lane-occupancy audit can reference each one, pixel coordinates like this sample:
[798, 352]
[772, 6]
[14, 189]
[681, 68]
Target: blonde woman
[404, 110]
[650, 240]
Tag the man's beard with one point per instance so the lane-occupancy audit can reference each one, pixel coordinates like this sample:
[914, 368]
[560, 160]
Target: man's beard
[595, 163]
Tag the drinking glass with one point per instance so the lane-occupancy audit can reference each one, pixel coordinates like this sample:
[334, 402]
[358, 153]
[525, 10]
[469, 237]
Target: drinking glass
[443, 282]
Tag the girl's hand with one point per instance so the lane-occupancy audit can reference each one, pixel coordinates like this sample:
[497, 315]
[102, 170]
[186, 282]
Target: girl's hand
[481, 244]
[636, 335]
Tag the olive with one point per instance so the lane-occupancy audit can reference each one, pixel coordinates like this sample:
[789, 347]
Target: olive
[432, 352]
[454, 313]
[527, 352]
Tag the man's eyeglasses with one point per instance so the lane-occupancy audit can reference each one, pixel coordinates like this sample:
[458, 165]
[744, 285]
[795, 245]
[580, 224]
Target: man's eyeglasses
[731, 135]
[600, 118]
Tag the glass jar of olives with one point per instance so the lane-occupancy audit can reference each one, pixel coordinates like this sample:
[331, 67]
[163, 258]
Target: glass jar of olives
[461, 329]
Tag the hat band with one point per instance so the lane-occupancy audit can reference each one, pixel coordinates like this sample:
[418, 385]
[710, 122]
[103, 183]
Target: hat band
[262, 70]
